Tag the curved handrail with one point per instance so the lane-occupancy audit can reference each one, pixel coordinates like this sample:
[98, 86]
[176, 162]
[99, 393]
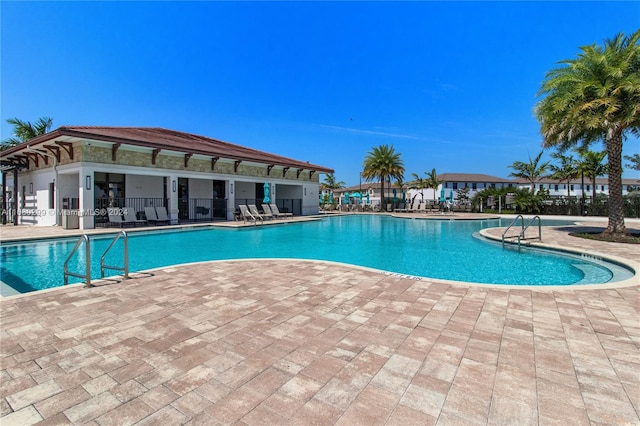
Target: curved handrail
[87, 276]
[510, 225]
[525, 227]
[124, 268]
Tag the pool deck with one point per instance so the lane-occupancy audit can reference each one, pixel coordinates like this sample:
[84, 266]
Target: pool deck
[258, 342]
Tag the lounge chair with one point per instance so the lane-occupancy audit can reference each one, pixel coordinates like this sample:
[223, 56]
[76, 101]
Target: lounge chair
[267, 212]
[161, 211]
[156, 216]
[115, 219]
[247, 216]
[276, 211]
[254, 211]
[402, 207]
[422, 208]
[130, 217]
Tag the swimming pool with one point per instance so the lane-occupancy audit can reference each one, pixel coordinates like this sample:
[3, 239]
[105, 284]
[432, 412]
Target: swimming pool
[423, 248]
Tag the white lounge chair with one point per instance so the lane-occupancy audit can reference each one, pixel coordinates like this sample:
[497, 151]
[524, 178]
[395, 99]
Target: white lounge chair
[254, 211]
[276, 211]
[247, 216]
[161, 211]
[130, 217]
[115, 219]
[267, 212]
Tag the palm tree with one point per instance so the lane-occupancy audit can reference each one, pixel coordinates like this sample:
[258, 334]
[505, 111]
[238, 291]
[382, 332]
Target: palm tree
[531, 171]
[383, 163]
[418, 183]
[330, 182]
[433, 182]
[566, 171]
[596, 97]
[634, 161]
[24, 130]
[591, 165]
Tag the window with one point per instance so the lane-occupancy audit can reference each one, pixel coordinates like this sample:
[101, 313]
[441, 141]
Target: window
[474, 186]
[455, 185]
[52, 195]
[571, 187]
[555, 188]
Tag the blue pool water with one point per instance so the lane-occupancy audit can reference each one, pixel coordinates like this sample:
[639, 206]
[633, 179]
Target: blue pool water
[425, 248]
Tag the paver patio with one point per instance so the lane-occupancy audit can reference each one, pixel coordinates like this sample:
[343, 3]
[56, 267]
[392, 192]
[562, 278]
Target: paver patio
[300, 342]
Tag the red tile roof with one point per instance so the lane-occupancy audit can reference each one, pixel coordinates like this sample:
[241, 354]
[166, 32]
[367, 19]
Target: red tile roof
[159, 138]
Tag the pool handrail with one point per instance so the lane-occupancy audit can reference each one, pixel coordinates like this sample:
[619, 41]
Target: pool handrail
[523, 228]
[124, 268]
[84, 238]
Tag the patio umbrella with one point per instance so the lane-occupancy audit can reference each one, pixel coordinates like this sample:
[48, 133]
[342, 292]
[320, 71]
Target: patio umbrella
[346, 198]
[404, 197]
[266, 199]
[331, 198]
[451, 195]
[442, 195]
[394, 196]
[368, 201]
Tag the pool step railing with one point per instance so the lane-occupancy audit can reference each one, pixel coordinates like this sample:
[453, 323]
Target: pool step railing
[87, 276]
[84, 238]
[125, 267]
[523, 229]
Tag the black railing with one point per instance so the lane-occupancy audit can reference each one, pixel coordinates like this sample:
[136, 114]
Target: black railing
[284, 205]
[102, 205]
[202, 209]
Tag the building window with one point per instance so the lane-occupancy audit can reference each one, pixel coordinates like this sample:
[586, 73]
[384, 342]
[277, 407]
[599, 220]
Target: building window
[455, 185]
[52, 195]
[493, 185]
[556, 188]
[571, 187]
[474, 186]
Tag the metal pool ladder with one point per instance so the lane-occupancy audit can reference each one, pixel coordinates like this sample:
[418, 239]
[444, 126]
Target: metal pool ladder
[83, 239]
[124, 268]
[523, 228]
[87, 275]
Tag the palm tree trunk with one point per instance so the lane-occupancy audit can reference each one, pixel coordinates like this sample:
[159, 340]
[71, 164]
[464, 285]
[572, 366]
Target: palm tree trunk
[383, 207]
[616, 202]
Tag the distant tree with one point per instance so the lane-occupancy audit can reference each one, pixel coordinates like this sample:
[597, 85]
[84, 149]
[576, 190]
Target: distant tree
[634, 161]
[25, 130]
[566, 171]
[590, 163]
[330, 182]
[382, 163]
[596, 97]
[531, 171]
[418, 183]
[433, 182]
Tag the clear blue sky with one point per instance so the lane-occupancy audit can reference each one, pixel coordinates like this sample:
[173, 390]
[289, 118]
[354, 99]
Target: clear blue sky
[451, 85]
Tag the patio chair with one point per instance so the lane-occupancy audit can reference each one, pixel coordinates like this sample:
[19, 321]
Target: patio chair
[267, 212]
[153, 215]
[254, 211]
[161, 211]
[277, 212]
[247, 216]
[130, 217]
[402, 207]
[115, 219]
[422, 208]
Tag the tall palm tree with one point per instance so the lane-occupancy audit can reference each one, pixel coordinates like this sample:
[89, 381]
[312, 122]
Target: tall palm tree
[596, 97]
[566, 171]
[383, 163]
[531, 171]
[25, 130]
[591, 165]
[330, 182]
[433, 182]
